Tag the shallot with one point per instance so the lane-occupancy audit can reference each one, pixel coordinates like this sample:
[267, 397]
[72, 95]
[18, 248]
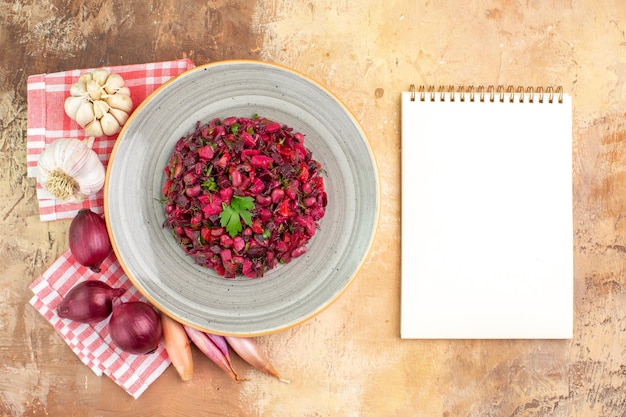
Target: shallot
[89, 239]
[249, 351]
[212, 351]
[135, 327]
[221, 344]
[89, 302]
[177, 346]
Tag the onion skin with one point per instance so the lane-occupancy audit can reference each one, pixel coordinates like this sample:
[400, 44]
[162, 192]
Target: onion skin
[221, 344]
[89, 239]
[249, 351]
[135, 327]
[178, 347]
[89, 302]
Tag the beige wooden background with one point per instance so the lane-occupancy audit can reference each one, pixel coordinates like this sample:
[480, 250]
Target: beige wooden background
[348, 361]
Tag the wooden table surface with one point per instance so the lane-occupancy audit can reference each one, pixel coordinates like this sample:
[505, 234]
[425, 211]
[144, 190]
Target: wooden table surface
[349, 360]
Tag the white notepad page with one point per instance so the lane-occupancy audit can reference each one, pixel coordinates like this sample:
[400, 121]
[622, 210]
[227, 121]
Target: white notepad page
[487, 234]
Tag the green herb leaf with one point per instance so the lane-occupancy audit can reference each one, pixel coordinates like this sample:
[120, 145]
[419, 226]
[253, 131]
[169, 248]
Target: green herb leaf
[209, 184]
[242, 203]
[246, 217]
[234, 128]
[230, 220]
[231, 215]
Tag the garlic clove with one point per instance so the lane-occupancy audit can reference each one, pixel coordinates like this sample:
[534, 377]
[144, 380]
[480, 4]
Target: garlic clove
[124, 90]
[94, 128]
[78, 89]
[85, 113]
[114, 83]
[100, 76]
[110, 125]
[71, 106]
[84, 78]
[100, 108]
[120, 115]
[94, 89]
[120, 101]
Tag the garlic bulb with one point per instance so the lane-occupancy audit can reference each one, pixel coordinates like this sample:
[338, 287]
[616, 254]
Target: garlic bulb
[99, 102]
[70, 170]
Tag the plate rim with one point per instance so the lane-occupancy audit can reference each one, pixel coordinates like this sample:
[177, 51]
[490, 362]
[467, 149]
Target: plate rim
[377, 187]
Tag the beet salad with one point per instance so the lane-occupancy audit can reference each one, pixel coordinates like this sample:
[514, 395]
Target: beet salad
[242, 195]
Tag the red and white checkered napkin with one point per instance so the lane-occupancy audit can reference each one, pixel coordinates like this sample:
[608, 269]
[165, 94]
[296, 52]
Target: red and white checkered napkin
[93, 344]
[47, 121]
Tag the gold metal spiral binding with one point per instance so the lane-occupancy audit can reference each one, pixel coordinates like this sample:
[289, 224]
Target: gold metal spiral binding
[510, 91]
[500, 91]
[461, 92]
[490, 93]
[442, 93]
[520, 93]
[481, 93]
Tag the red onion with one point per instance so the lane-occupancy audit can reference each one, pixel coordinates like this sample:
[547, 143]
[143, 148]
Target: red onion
[88, 302]
[135, 327]
[89, 240]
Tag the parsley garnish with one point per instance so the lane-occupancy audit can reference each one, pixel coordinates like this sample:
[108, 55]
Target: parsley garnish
[209, 185]
[231, 215]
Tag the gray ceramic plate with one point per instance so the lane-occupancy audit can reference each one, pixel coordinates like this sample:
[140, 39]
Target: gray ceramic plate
[288, 294]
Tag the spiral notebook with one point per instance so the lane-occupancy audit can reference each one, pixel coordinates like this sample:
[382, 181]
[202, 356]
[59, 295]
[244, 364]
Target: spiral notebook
[487, 233]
